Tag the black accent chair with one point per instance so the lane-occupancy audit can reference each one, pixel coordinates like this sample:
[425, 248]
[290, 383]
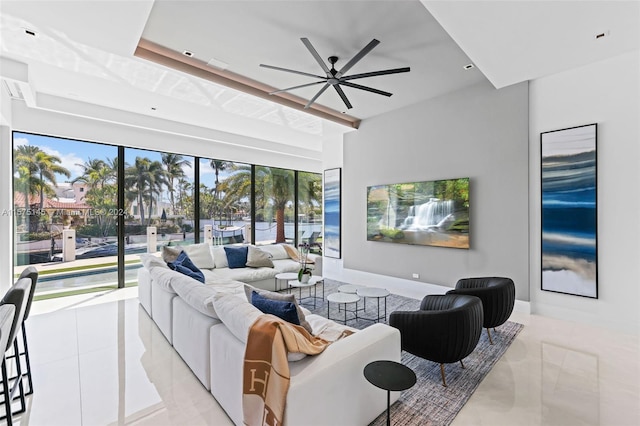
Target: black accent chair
[498, 296]
[445, 330]
[18, 296]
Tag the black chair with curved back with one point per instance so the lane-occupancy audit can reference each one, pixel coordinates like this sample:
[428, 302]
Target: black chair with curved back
[7, 313]
[31, 273]
[18, 296]
[445, 330]
[498, 295]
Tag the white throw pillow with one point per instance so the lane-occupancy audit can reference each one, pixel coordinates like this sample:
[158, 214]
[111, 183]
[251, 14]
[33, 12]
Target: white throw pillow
[276, 251]
[237, 314]
[219, 257]
[200, 255]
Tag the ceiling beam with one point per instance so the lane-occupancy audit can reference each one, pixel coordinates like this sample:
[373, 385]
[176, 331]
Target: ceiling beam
[169, 58]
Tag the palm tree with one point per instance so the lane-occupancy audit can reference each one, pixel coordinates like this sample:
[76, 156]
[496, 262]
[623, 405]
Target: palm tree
[47, 167]
[218, 166]
[282, 187]
[174, 165]
[100, 176]
[137, 182]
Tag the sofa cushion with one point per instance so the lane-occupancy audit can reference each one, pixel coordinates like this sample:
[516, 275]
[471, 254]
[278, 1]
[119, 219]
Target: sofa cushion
[248, 290]
[276, 251]
[236, 256]
[150, 261]
[246, 275]
[200, 255]
[257, 258]
[219, 257]
[196, 295]
[280, 308]
[237, 314]
[286, 265]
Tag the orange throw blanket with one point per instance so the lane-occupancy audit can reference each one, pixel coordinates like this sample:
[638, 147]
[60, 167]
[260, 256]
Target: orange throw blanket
[266, 368]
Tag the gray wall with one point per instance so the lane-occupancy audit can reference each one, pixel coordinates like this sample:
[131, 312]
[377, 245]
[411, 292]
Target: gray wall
[477, 132]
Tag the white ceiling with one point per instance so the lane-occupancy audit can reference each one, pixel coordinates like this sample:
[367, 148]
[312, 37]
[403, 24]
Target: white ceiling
[84, 50]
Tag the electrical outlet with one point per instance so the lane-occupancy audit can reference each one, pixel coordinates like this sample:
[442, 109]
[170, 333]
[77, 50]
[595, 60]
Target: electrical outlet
[416, 276]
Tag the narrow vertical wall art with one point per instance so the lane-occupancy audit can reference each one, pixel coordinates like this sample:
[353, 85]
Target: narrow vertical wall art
[569, 211]
[332, 207]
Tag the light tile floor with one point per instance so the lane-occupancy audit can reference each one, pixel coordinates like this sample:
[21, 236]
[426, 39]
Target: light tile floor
[100, 360]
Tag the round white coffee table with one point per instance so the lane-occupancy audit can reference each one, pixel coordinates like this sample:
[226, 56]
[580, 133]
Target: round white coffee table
[313, 281]
[378, 293]
[349, 288]
[284, 276]
[342, 299]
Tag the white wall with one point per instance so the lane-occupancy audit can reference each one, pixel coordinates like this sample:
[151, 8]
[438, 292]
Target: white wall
[607, 93]
[478, 132]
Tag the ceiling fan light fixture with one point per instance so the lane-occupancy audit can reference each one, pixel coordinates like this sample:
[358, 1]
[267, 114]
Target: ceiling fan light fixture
[337, 78]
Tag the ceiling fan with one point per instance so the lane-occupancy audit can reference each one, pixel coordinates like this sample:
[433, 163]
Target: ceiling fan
[336, 78]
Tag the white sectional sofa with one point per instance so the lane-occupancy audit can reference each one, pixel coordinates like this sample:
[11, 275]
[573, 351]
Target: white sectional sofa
[328, 388]
[157, 299]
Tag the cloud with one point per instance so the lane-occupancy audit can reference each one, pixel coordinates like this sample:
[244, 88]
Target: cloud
[69, 161]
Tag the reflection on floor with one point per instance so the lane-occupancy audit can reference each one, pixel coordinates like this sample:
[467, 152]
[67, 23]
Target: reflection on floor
[99, 359]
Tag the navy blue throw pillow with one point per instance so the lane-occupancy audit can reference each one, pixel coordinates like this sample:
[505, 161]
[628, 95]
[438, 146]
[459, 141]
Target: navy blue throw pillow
[236, 256]
[283, 310]
[184, 265]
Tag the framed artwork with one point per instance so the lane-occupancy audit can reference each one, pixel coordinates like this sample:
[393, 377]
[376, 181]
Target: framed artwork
[332, 207]
[427, 213]
[569, 211]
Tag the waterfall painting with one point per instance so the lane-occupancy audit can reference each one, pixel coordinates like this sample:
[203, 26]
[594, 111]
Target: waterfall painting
[332, 199]
[569, 211]
[430, 213]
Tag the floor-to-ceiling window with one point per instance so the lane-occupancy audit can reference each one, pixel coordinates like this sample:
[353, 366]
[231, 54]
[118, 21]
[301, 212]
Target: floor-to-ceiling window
[65, 203]
[225, 201]
[84, 211]
[310, 210]
[274, 198]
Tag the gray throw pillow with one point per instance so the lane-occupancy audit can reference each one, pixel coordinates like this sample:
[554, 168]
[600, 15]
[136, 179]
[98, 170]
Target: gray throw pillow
[279, 296]
[257, 258]
[170, 254]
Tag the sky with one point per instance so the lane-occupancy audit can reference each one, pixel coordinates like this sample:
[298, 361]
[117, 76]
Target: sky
[74, 153]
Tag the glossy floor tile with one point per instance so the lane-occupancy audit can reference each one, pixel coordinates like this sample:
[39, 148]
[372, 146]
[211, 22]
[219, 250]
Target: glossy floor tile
[100, 360]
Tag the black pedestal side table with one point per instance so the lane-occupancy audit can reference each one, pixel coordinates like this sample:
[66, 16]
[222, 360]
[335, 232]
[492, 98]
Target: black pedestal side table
[390, 376]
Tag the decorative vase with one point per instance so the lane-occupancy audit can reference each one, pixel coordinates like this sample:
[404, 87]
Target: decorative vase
[305, 278]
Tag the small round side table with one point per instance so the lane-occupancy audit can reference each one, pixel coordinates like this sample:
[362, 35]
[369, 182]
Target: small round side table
[390, 376]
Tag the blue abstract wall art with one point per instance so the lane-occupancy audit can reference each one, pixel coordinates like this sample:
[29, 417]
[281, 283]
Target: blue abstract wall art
[569, 211]
[332, 201]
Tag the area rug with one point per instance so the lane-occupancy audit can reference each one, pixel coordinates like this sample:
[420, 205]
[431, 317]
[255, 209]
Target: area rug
[428, 402]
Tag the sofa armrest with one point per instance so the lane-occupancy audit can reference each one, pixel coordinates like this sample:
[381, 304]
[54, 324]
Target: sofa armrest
[336, 377]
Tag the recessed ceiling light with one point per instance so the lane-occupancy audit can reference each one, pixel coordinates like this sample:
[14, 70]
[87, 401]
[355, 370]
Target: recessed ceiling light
[30, 32]
[602, 34]
[187, 53]
[469, 66]
[153, 108]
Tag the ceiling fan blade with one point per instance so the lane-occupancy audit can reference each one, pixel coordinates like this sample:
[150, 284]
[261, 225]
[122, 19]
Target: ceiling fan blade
[292, 71]
[373, 43]
[315, 54]
[343, 96]
[297, 87]
[375, 73]
[320, 92]
[368, 89]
